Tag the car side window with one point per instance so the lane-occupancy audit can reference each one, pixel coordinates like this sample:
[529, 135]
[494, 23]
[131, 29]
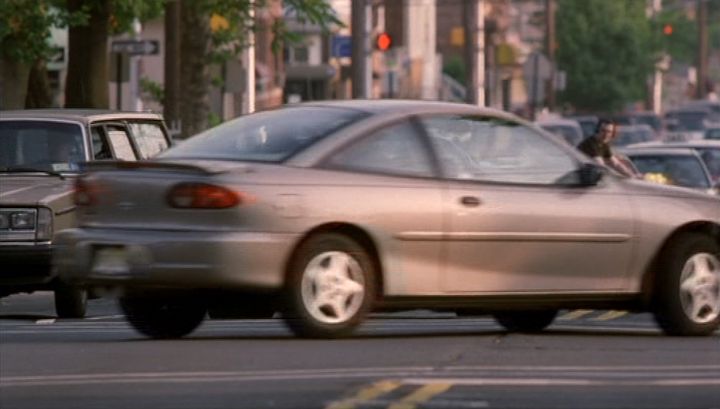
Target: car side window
[100, 146]
[149, 138]
[394, 150]
[120, 142]
[497, 150]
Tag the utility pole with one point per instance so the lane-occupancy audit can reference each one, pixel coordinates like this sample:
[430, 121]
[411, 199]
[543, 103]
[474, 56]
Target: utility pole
[171, 98]
[361, 69]
[550, 50]
[702, 56]
[248, 60]
[474, 22]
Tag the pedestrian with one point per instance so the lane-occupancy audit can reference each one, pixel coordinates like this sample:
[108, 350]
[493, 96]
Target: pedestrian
[597, 146]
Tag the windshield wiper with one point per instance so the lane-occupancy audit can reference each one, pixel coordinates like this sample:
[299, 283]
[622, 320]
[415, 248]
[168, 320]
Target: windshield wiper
[12, 169]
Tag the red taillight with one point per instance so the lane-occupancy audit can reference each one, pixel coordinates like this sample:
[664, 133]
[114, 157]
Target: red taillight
[202, 196]
[85, 193]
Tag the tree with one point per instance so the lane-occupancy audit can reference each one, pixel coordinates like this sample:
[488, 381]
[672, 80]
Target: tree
[606, 49]
[23, 40]
[200, 45]
[86, 85]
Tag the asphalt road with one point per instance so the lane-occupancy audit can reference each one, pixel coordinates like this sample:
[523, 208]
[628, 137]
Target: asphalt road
[419, 359]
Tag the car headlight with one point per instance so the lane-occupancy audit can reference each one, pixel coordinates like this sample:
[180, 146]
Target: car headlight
[23, 220]
[44, 224]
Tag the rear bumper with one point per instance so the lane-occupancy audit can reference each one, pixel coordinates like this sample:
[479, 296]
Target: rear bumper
[173, 259]
[25, 265]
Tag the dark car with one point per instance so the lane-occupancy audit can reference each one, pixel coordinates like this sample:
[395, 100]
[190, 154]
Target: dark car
[640, 118]
[41, 153]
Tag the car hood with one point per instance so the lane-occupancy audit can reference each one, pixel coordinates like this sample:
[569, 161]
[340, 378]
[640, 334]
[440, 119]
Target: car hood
[33, 190]
[645, 188]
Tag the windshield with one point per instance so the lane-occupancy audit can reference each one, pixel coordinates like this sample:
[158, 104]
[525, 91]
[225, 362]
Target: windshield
[569, 134]
[271, 136]
[41, 145]
[679, 170]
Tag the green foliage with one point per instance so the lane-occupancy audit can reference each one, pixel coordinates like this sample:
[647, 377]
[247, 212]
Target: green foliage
[455, 67]
[606, 49]
[681, 45]
[25, 28]
[152, 88]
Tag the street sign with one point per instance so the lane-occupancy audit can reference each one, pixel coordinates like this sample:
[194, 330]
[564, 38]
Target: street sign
[136, 47]
[341, 46]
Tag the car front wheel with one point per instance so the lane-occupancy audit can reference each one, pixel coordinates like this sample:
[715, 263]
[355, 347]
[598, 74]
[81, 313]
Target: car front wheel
[687, 292]
[163, 315]
[330, 288]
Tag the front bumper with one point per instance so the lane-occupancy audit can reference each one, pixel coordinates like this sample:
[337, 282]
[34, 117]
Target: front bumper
[172, 259]
[25, 264]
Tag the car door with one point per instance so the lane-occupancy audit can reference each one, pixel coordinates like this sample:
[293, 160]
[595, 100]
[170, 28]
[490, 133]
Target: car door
[395, 195]
[518, 220]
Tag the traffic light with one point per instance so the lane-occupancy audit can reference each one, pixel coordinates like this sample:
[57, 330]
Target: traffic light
[667, 29]
[383, 41]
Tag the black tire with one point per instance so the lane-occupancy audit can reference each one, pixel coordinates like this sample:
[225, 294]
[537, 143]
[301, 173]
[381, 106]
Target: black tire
[352, 287]
[671, 301]
[525, 321]
[164, 315]
[70, 302]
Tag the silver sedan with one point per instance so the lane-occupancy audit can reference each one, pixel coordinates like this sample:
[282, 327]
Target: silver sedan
[328, 211]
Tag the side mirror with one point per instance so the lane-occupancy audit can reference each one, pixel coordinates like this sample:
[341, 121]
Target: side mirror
[590, 174]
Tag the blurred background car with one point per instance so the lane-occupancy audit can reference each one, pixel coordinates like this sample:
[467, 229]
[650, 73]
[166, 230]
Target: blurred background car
[340, 208]
[568, 129]
[588, 123]
[683, 124]
[41, 152]
[712, 133]
[708, 150]
[648, 118]
[630, 134]
[680, 167]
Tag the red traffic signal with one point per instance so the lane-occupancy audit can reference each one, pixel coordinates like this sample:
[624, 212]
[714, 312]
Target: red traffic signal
[383, 42]
[668, 29]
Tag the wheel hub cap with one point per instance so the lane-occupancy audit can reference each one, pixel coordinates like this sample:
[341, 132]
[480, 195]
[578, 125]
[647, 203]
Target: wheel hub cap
[333, 287]
[700, 288]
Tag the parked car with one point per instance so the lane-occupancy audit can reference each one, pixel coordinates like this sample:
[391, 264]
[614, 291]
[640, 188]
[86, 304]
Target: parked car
[712, 133]
[41, 152]
[684, 124]
[712, 106]
[631, 134]
[681, 167]
[339, 208]
[588, 123]
[568, 129]
[648, 118]
[709, 151]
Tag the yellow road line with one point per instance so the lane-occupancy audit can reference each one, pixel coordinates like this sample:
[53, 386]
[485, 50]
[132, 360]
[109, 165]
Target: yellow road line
[366, 394]
[421, 395]
[611, 315]
[573, 315]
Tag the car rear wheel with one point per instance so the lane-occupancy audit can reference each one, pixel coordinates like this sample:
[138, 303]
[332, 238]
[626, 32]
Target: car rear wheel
[330, 288]
[70, 302]
[687, 288]
[525, 321]
[163, 315]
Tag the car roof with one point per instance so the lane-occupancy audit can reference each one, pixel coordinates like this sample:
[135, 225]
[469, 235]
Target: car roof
[399, 106]
[79, 115]
[657, 151]
[559, 122]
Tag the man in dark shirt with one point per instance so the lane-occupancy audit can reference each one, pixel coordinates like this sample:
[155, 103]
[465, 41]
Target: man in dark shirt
[598, 147]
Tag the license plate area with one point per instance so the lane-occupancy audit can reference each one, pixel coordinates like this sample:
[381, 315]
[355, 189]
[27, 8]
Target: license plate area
[111, 260]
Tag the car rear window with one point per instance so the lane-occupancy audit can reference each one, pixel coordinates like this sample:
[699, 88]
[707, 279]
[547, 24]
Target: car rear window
[271, 136]
[43, 145]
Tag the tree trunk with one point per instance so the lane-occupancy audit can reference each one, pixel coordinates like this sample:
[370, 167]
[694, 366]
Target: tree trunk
[13, 83]
[86, 85]
[171, 101]
[195, 70]
[39, 94]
